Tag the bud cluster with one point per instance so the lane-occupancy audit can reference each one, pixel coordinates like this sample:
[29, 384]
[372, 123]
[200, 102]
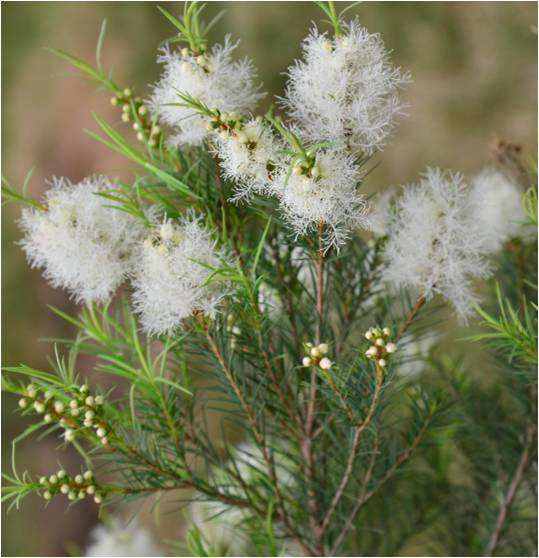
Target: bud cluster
[316, 356]
[381, 347]
[75, 488]
[194, 60]
[134, 110]
[81, 411]
[308, 168]
[228, 124]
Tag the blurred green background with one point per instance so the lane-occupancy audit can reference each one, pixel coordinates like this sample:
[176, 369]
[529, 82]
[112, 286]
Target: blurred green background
[475, 79]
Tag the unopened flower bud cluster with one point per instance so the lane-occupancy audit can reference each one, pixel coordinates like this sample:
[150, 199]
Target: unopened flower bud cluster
[75, 487]
[82, 411]
[134, 110]
[316, 356]
[381, 347]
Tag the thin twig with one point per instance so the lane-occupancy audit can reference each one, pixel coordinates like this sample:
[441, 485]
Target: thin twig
[511, 493]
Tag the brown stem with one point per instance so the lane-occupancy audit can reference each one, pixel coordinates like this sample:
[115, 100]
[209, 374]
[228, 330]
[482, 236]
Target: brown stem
[411, 315]
[511, 493]
[366, 496]
[354, 450]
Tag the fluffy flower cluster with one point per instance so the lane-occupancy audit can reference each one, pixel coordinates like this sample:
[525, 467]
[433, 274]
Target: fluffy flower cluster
[324, 192]
[119, 539]
[248, 156]
[82, 243]
[213, 78]
[436, 243]
[500, 209]
[345, 90]
[174, 264]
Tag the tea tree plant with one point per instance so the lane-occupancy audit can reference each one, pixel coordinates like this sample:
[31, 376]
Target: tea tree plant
[259, 313]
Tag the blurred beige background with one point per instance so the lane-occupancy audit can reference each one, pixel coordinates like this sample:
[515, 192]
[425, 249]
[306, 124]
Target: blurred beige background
[475, 78]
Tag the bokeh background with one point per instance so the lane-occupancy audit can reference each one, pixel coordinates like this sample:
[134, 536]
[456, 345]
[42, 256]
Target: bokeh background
[475, 79]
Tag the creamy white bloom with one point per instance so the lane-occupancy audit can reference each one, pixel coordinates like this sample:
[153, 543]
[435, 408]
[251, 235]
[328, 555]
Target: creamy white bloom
[248, 156]
[174, 263]
[81, 242]
[119, 539]
[381, 212]
[329, 195]
[436, 243]
[498, 200]
[213, 78]
[346, 89]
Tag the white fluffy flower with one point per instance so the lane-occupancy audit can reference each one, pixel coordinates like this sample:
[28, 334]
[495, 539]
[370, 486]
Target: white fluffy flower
[248, 156]
[118, 539]
[82, 243]
[329, 195]
[213, 78]
[381, 213]
[346, 90]
[499, 207]
[172, 268]
[436, 243]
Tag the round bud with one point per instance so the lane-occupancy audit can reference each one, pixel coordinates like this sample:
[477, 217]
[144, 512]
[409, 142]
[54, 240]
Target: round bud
[88, 475]
[89, 415]
[72, 495]
[59, 407]
[140, 136]
[63, 422]
[104, 440]
[142, 110]
[47, 418]
[64, 489]
[42, 480]
[306, 361]
[155, 130]
[75, 412]
[61, 474]
[368, 335]
[315, 352]
[87, 422]
[114, 101]
[125, 117]
[386, 331]
[127, 92]
[325, 363]
[73, 404]
[126, 108]
[83, 388]
[136, 126]
[391, 347]
[382, 363]
[98, 400]
[380, 342]
[101, 432]
[90, 489]
[242, 137]
[371, 351]
[48, 394]
[23, 403]
[323, 348]
[69, 435]
[53, 479]
[79, 479]
[47, 495]
[97, 499]
[89, 401]
[82, 494]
